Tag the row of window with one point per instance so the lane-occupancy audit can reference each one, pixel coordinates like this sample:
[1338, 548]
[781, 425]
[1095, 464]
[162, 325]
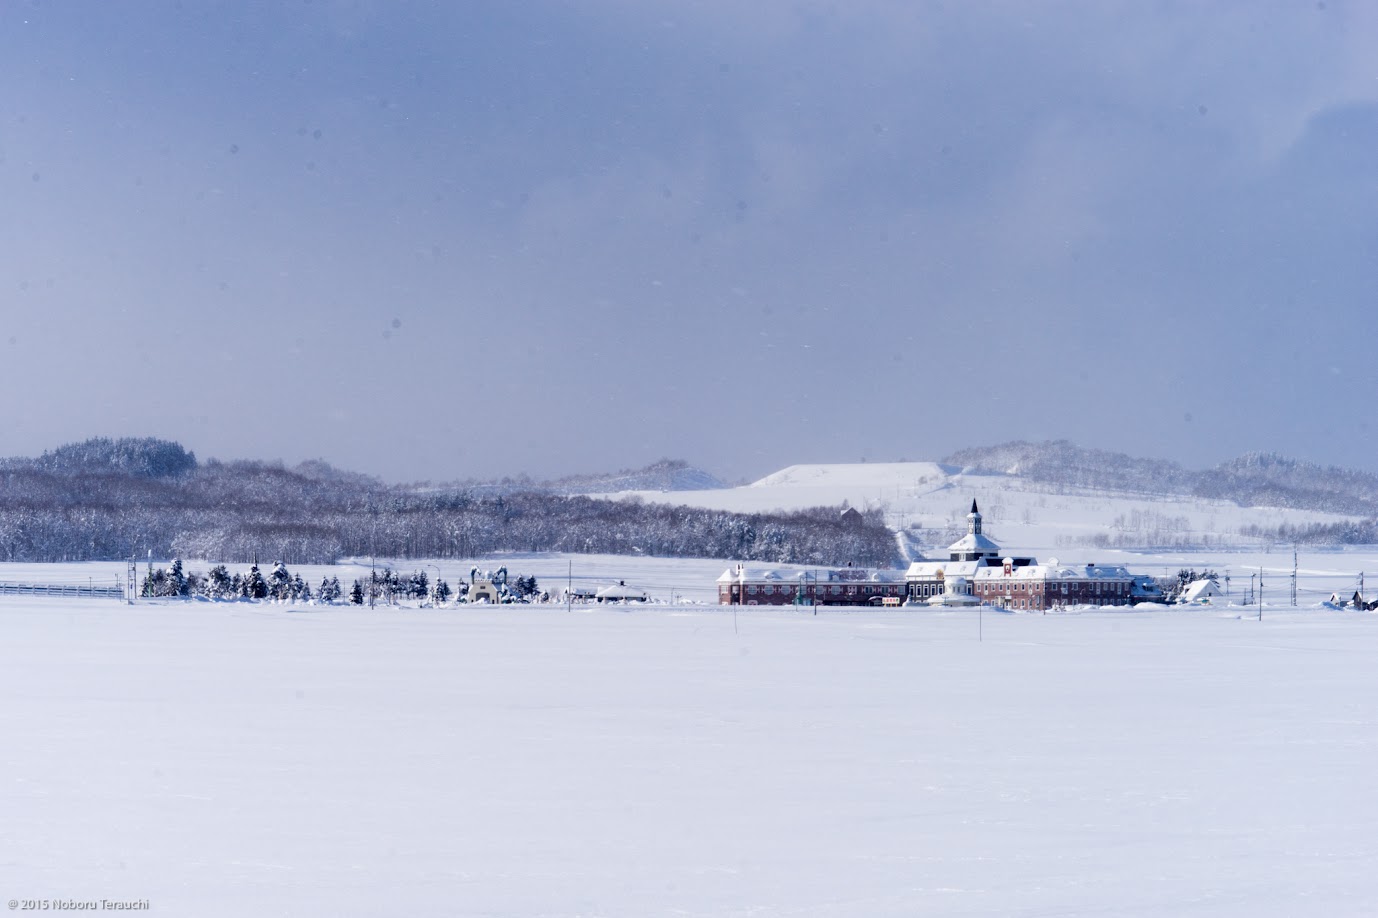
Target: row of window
[1036, 586]
[835, 589]
[934, 589]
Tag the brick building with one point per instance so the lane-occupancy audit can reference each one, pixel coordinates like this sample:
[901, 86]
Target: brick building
[847, 586]
[1040, 587]
[928, 581]
[975, 573]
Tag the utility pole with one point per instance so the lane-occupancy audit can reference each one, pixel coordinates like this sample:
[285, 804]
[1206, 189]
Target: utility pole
[1260, 594]
[1294, 575]
[569, 586]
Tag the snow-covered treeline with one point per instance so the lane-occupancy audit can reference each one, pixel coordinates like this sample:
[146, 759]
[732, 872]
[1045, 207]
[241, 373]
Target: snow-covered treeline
[1252, 480]
[109, 502]
[382, 586]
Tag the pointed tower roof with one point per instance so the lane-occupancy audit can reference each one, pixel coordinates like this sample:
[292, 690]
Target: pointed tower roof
[973, 546]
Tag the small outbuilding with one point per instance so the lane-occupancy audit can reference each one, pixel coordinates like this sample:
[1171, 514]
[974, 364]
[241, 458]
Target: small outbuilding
[1202, 592]
[620, 592]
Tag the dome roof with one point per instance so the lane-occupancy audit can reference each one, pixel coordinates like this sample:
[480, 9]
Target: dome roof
[974, 542]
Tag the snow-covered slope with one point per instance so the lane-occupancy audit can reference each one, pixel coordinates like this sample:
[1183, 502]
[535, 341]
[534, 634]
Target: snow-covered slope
[1018, 512]
[897, 475]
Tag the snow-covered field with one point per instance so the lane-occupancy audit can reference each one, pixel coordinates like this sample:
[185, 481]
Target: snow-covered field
[234, 759]
[677, 758]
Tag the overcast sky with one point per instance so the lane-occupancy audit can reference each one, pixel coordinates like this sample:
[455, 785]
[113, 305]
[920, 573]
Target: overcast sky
[454, 239]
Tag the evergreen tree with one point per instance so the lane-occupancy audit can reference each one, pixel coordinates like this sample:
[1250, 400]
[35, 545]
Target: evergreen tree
[356, 595]
[216, 584]
[155, 584]
[280, 582]
[329, 590]
[254, 586]
[176, 584]
[442, 592]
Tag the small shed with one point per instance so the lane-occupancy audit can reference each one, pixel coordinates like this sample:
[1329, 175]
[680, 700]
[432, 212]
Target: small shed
[620, 592]
[482, 590]
[1202, 591]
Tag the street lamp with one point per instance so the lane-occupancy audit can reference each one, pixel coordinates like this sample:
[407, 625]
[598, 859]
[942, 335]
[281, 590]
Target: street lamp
[435, 587]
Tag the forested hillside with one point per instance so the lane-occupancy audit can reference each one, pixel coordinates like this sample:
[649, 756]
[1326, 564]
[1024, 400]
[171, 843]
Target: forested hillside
[108, 499]
[1253, 480]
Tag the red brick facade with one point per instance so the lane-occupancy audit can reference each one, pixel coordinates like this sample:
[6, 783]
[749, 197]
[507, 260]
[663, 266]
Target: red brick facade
[845, 587]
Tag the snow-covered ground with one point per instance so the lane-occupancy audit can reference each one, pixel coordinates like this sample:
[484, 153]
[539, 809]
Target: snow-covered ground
[235, 759]
[678, 758]
[693, 580]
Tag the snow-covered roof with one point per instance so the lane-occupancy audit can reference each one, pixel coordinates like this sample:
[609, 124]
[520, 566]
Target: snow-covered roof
[928, 570]
[620, 591]
[755, 575]
[818, 575]
[1198, 590]
[861, 575]
[974, 542]
[1054, 572]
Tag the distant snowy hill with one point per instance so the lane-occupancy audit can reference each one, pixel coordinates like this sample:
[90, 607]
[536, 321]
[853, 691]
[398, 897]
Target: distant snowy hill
[1252, 480]
[1028, 504]
[665, 475]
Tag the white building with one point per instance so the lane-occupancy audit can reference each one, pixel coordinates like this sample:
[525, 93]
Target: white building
[1202, 592]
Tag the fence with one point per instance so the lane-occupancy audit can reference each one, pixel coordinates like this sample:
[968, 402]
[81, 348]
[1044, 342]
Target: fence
[62, 589]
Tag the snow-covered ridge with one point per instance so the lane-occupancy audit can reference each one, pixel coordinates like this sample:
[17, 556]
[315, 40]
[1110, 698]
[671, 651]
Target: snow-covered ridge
[865, 474]
[929, 500]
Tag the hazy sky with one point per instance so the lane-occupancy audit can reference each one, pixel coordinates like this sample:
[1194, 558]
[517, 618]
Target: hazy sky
[453, 239]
